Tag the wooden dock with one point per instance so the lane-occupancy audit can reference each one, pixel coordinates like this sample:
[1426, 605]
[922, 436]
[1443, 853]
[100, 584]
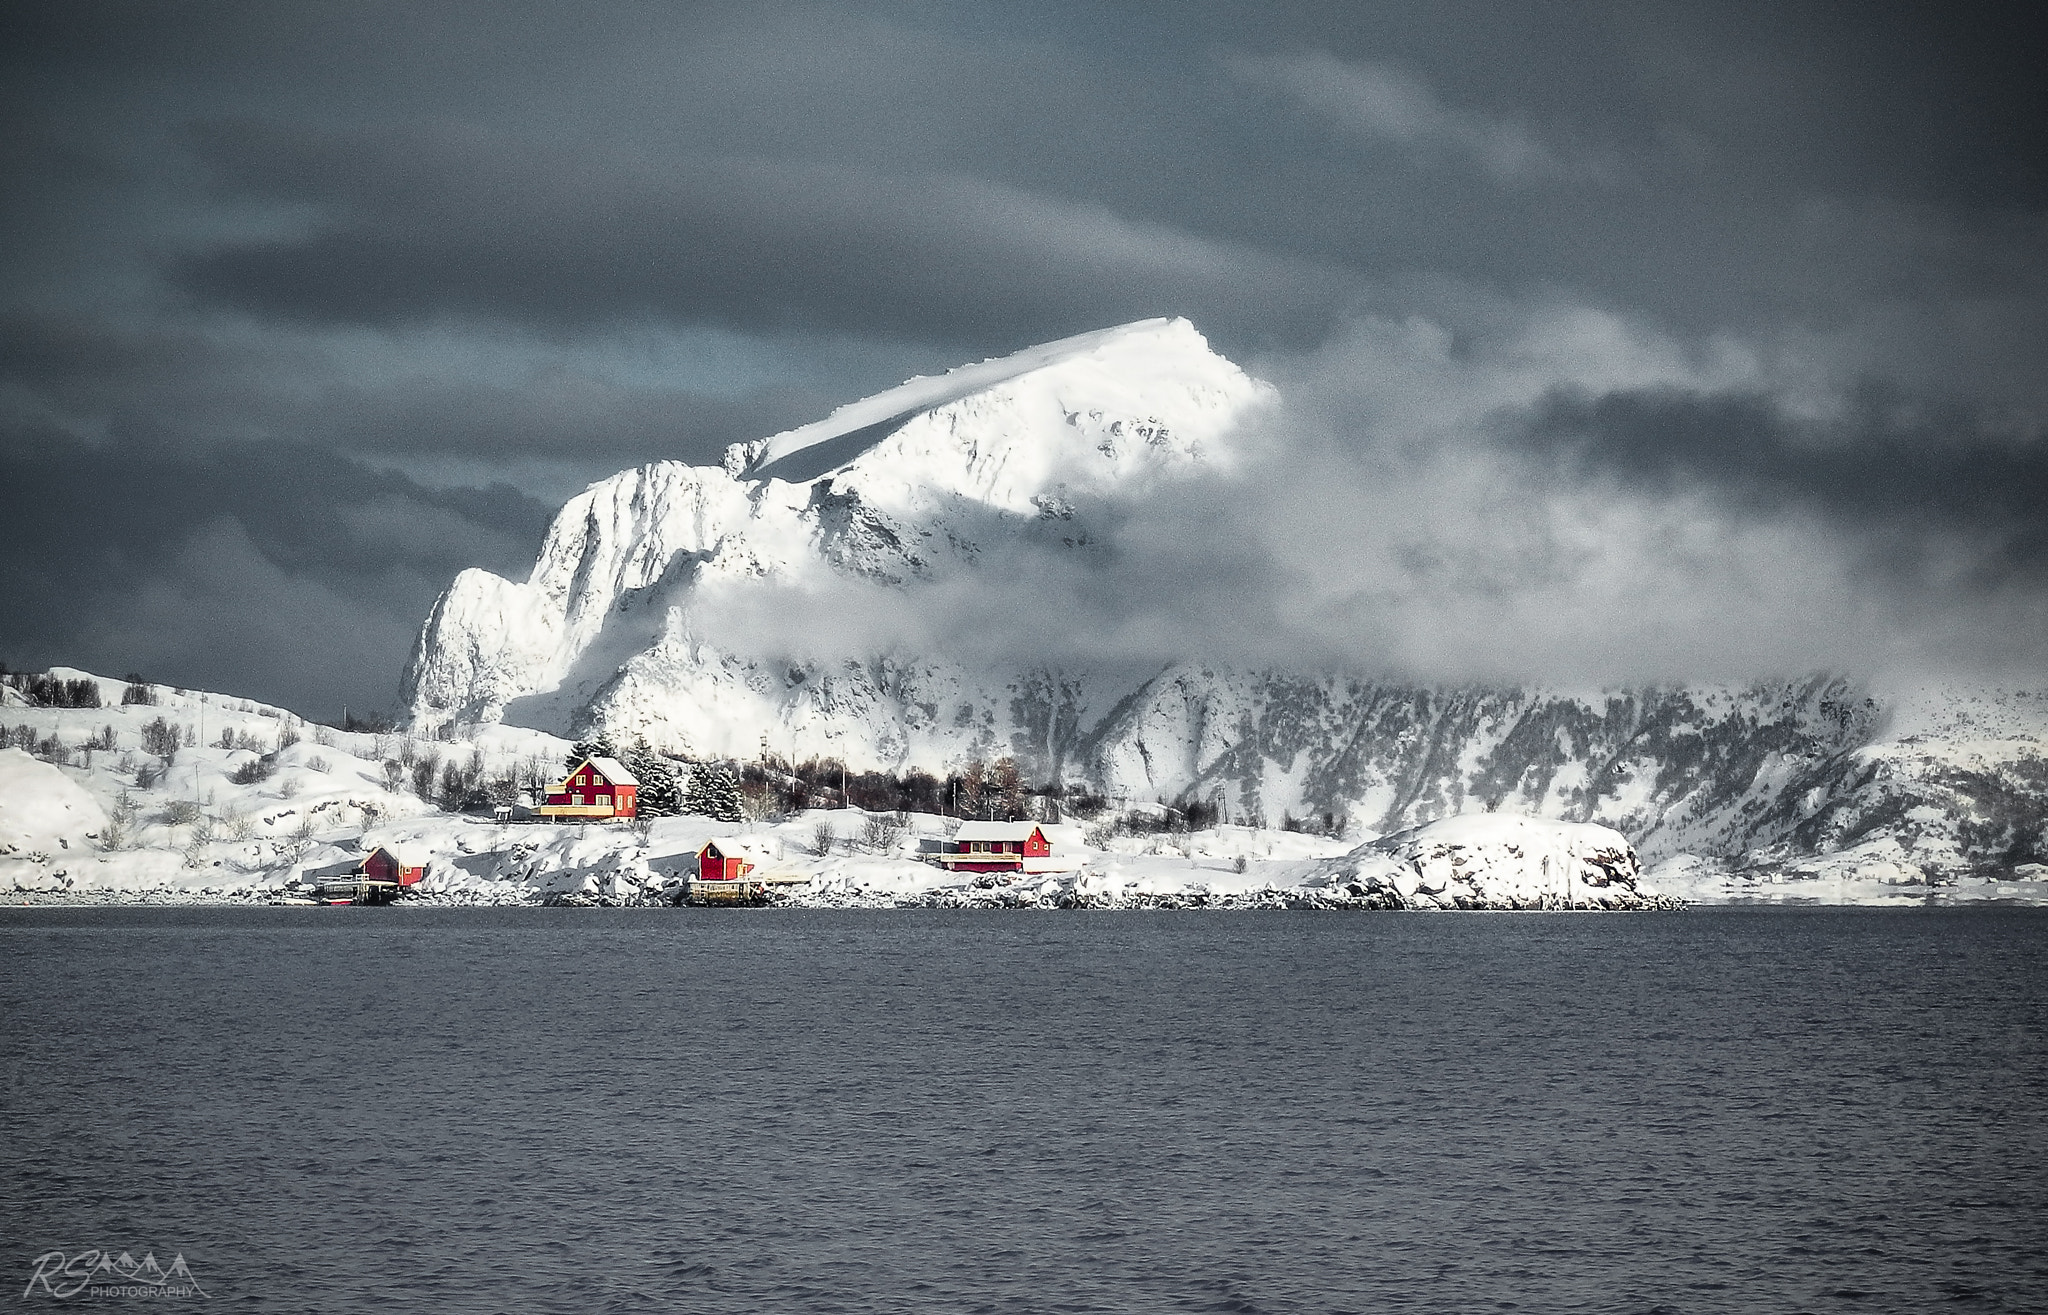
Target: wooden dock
[356, 891]
[749, 889]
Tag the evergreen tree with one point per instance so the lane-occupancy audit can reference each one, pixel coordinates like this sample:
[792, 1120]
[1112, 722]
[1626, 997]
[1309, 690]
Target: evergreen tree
[660, 795]
[715, 792]
[597, 746]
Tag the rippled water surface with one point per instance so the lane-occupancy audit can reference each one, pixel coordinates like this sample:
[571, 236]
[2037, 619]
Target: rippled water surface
[564, 1110]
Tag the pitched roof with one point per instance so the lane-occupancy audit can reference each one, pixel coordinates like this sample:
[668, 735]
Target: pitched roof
[350, 866]
[614, 771]
[329, 871]
[611, 769]
[732, 848]
[995, 831]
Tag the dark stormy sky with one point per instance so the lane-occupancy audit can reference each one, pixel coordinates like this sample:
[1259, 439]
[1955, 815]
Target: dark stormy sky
[1620, 341]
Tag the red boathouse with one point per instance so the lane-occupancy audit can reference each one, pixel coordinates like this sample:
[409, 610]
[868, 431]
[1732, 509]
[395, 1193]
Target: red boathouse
[377, 877]
[598, 789]
[995, 847]
[725, 860]
[380, 864]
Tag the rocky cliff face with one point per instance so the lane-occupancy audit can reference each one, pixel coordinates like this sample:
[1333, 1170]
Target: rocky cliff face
[775, 602]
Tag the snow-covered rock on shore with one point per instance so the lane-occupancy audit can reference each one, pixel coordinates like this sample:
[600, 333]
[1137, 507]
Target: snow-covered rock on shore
[1495, 861]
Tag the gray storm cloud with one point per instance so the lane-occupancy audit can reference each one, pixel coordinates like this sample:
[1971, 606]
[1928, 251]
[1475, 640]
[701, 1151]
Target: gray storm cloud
[1384, 103]
[1618, 340]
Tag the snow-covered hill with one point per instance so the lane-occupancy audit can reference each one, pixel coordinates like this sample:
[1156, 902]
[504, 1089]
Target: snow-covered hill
[199, 792]
[785, 600]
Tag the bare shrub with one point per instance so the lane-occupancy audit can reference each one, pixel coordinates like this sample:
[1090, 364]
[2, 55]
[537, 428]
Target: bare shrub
[424, 773]
[301, 838]
[822, 837]
[882, 831]
[119, 832]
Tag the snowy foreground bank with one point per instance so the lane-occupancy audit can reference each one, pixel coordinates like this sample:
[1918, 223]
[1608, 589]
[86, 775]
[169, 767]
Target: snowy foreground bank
[107, 824]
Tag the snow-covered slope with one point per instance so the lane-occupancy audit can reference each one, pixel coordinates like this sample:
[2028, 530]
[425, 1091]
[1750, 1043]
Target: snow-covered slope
[772, 603]
[43, 812]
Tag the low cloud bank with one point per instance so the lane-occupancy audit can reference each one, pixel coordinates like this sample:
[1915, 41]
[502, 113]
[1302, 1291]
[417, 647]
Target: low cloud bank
[1561, 497]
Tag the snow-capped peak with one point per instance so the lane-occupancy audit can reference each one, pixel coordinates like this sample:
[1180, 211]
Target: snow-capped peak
[1147, 381]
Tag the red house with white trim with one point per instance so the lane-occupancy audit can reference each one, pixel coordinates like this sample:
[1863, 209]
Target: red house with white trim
[995, 847]
[597, 790]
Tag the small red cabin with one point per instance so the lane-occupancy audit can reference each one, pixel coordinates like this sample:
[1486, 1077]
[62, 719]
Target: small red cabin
[380, 864]
[724, 860]
[995, 847]
[598, 788]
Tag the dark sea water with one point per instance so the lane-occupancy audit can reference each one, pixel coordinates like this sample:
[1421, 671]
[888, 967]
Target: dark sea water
[701, 1110]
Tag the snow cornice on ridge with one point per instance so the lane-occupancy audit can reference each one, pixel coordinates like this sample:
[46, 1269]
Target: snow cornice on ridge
[874, 418]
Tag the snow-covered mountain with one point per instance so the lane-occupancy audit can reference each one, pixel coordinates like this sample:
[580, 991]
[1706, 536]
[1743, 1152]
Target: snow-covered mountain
[782, 601]
[673, 601]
